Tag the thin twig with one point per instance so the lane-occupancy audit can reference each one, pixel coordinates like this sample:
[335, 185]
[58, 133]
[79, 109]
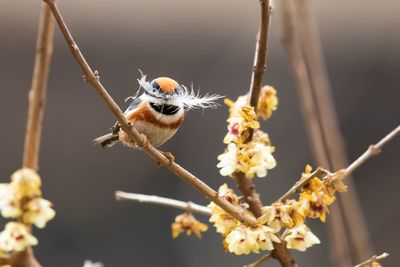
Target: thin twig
[93, 79]
[321, 173]
[260, 261]
[372, 150]
[162, 201]
[302, 182]
[373, 259]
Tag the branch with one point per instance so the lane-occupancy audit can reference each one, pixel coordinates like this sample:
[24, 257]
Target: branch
[302, 182]
[259, 65]
[373, 150]
[37, 94]
[373, 259]
[162, 201]
[260, 261]
[37, 98]
[93, 78]
[246, 186]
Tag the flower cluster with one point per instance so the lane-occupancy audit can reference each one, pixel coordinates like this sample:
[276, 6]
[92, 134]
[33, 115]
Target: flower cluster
[186, 222]
[240, 239]
[21, 199]
[253, 158]
[318, 194]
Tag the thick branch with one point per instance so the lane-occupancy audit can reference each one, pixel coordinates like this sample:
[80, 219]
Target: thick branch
[259, 65]
[246, 186]
[37, 98]
[162, 201]
[37, 94]
[373, 259]
[93, 79]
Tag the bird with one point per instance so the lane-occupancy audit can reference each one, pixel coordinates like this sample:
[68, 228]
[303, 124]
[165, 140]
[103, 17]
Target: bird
[158, 112]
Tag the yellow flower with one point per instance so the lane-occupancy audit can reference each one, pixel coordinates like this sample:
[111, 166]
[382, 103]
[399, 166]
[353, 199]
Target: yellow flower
[234, 107]
[261, 137]
[186, 222]
[16, 237]
[38, 211]
[238, 126]
[282, 215]
[300, 238]
[335, 183]
[26, 183]
[243, 239]
[265, 237]
[267, 103]
[222, 220]
[255, 159]
[9, 203]
[315, 205]
[228, 161]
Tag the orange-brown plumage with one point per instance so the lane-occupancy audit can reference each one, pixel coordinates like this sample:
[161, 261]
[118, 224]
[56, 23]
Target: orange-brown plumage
[167, 84]
[143, 113]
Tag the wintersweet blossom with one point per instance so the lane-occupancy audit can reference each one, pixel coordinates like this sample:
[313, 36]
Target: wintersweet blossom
[187, 223]
[300, 238]
[255, 159]
[238, 126]
[315, 204]
[267, 103]
[38, 211]
[25, 183]
[228, 160]
[16, 237]
[222, 221]
[244, 240]
[9, 204]
[280, 215]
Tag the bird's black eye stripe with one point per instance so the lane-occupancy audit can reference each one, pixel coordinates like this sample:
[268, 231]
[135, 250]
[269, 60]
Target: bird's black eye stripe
[165, 109]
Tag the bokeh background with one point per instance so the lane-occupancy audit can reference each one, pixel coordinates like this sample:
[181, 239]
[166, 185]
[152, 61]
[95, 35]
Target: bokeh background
[209, 43]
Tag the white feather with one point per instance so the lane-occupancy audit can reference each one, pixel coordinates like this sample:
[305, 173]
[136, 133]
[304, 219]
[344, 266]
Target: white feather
[182, 97]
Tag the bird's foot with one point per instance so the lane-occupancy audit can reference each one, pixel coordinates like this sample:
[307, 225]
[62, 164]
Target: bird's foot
[169, 156]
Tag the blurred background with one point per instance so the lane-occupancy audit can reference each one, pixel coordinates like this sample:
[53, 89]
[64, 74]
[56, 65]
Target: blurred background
[209, 43]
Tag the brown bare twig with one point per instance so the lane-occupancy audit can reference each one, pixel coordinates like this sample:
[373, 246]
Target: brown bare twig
[373, 259]
[140, 139]
[371, 151]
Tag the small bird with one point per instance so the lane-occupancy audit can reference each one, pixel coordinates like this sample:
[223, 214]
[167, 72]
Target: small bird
[158, 112]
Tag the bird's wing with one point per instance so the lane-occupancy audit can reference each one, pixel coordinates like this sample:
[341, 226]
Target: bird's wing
[134, 104]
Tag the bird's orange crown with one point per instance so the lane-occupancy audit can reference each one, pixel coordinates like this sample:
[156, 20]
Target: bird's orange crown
[167, 85]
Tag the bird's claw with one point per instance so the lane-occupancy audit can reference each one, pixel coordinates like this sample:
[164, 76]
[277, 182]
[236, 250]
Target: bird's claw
[144, 144]
[169, 156]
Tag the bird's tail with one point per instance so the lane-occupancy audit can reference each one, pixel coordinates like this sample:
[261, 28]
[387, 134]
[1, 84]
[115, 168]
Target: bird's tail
[107, 140]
